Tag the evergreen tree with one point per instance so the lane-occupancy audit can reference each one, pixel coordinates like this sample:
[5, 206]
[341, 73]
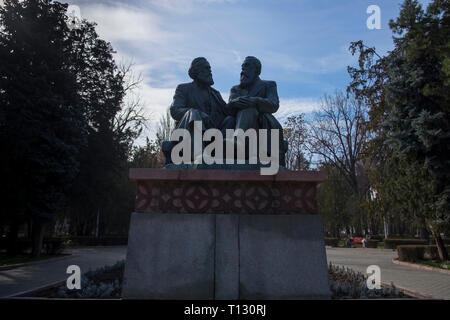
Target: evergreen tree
[41, 120]
[409, 97]
[418, 92]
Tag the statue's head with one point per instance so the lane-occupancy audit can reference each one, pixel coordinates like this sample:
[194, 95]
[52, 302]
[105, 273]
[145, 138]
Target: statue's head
[251, 69]
[200, 71]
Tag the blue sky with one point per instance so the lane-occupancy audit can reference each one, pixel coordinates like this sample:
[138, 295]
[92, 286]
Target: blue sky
[302, 44]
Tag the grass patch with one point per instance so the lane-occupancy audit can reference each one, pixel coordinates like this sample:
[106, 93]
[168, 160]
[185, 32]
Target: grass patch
[445, 265]
[6, 260]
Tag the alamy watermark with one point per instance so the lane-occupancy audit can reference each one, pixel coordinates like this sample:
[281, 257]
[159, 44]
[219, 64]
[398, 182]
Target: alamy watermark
[374, 278]
[73, 17]
[255, 150]
[74, 280]
[374, 20]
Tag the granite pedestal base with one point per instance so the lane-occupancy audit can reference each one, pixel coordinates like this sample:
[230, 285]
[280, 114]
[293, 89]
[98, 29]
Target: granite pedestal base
[218, 256]
[259, 242]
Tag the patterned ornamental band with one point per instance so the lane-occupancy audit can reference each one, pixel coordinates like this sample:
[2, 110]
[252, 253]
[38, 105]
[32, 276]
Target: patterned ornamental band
[226, 197]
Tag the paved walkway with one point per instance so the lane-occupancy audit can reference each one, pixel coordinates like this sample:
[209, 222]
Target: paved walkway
[29, 277]
[426, 282]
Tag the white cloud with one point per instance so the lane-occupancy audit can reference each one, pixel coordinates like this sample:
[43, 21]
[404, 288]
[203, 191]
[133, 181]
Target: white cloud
[119, 22]
[185, 6]
[156, 100]
[294, 106]
[163, 36]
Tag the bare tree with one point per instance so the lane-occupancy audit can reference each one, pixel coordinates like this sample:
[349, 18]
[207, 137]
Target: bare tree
[165, 127]
[295, 133]
[131, 119]
[338, 133]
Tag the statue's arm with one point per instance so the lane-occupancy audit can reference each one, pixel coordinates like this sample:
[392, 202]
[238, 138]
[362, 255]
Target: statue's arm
[270, 103]
[179, 105]
[230, 108]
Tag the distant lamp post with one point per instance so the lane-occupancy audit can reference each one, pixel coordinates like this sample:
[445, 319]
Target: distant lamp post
[373, 196]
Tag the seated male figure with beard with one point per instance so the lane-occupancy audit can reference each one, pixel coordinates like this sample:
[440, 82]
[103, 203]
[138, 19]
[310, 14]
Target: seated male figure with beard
[254, 100]
[198, 101]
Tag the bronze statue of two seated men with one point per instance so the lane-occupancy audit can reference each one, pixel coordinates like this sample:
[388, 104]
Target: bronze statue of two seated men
[251, 103]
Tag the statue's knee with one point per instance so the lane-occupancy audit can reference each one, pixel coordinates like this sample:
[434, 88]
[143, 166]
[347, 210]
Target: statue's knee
[249, 112]
[228, 123]
[193, 113]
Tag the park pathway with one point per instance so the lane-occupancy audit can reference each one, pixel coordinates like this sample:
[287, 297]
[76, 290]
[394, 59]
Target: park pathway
[434, 284]
[30, 277]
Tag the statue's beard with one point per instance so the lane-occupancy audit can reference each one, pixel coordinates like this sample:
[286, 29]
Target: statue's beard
[208, 81]
[246, 79]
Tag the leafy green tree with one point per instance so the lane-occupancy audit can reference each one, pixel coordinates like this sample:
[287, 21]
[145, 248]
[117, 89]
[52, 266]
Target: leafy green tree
[408, 91]
[147, 156]
[334, 197]
[113, 125]
[418, 91]
[65, 126]
[41, 122]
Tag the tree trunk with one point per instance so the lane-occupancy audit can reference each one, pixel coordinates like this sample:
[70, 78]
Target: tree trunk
[443, 255]
[38, 236]
[386, 228]
[12, 238]
[424, 234]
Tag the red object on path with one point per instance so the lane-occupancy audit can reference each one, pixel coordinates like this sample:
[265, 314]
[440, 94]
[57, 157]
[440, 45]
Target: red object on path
[356, 240]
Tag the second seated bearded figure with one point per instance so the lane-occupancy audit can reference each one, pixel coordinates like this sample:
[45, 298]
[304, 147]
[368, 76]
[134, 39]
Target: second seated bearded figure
[253, 101]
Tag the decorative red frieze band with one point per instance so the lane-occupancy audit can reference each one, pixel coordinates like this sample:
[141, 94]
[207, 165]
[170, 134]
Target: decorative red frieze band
[223, 191]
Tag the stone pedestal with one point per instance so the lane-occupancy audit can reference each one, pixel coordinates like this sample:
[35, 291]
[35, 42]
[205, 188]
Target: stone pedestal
[214, 234]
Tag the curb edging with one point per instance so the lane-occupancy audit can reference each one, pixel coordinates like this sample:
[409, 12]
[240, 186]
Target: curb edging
[23, 294]
[416, 266]
[409, 292]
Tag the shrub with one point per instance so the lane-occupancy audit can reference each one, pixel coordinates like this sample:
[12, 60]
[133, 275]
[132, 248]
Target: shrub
[105, 282]
[377, 237]
[332, 242]
[346, 283]
[410, 253]
[433, 242]
[371, 243]
[53, 246]
[414, 253]
[101, 241]
[393, 243]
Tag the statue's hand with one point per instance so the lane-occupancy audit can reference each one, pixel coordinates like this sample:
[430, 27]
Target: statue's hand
[250, 102]
[233, 104]
[244, 102]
